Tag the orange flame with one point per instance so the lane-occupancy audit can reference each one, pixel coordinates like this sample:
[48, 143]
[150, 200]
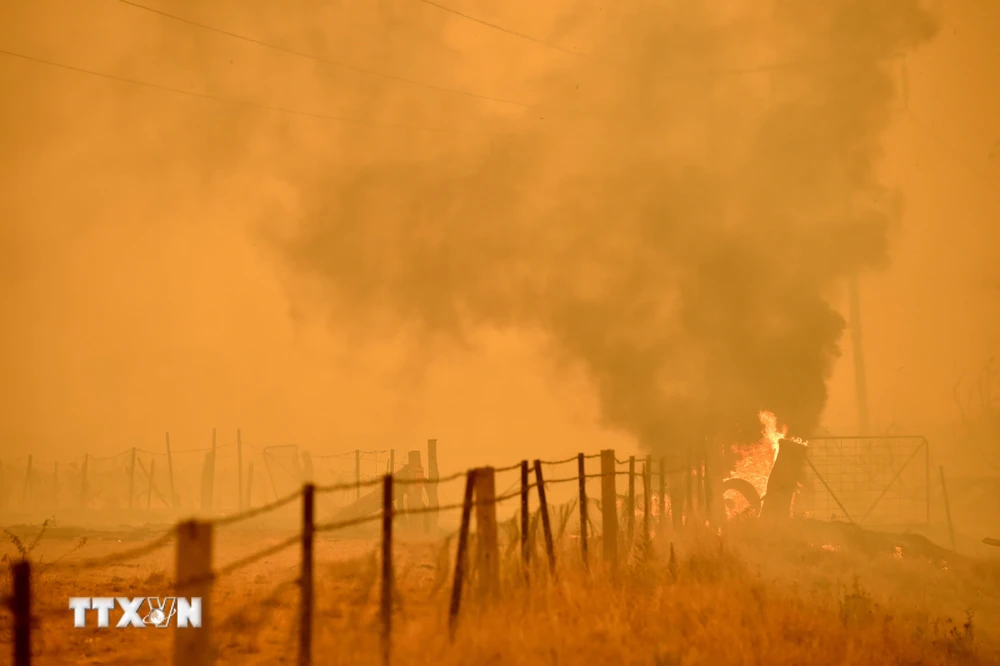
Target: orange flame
[757, 459]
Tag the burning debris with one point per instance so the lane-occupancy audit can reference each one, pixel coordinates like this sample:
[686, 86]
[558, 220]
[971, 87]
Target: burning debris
[766, 474]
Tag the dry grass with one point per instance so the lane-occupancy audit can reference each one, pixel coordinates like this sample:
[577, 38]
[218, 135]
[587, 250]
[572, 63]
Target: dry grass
[749, 597]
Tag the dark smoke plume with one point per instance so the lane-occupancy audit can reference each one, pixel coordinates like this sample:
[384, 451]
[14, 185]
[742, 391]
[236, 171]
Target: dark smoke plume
[675, 217]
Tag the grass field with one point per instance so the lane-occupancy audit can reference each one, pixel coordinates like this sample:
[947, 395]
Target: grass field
[811, 593]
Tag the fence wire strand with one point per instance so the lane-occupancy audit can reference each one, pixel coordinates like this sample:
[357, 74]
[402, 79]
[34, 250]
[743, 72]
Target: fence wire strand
[559, 462]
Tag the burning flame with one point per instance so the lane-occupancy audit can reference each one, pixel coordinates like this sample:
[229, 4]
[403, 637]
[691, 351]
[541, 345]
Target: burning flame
[773, 435]
[757, 459]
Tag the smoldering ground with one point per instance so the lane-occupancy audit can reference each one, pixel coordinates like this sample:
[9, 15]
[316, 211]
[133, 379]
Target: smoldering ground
[672, 223]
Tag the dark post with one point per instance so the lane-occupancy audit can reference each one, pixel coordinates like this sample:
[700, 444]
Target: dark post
[609, 508]
[239, 469]
[387, 568]
[193, 576]
[461, 556]
[306, 591]
[546, 525]
[131, 480]
[392, 461]
[357, 474]
[525, 519]
[630, 522]
[170, 471]
[487, 532]
[582, 470]
[21, 606]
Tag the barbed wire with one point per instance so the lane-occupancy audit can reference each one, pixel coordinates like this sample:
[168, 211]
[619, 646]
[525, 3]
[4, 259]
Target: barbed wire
[348, 485]
[559, 462]
[344, 524]
[509, 468]
[443, 479]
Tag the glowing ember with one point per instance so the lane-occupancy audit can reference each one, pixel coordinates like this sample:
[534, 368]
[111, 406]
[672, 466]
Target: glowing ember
[830, 547]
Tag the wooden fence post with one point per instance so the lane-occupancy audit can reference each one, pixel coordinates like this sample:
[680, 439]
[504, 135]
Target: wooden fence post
[392, 461]
[609, 508]
[131, 479]
[27, 482]
[21, 607]
[487, 538]
[306, 590]
[387, 569]
[193, 646]
[630, 504]
[461, 555]
[433, 475]
[525, 521]
[174, 499]
[239, 469]
[543, 507]
[582, 470]
[947, 508]
[83, 480]
[357, 474]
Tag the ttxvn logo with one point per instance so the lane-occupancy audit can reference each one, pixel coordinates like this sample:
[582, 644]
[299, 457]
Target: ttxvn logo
[158, 612]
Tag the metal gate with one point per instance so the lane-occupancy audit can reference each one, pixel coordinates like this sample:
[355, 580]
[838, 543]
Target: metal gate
[882, 481]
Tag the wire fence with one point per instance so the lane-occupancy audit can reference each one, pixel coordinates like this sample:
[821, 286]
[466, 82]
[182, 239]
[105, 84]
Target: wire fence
[404, 498]
[552, 505]
[220, 478]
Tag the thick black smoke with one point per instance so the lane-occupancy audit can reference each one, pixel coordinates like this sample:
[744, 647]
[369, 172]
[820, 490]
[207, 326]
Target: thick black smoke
[674, 218]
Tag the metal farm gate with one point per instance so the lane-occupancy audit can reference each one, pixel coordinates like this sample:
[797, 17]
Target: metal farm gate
[882, 481]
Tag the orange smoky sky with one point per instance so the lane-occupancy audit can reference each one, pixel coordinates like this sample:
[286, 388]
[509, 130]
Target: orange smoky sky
[249, 241]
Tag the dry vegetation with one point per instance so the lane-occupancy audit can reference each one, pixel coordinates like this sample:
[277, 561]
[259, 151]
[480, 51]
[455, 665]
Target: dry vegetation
[812, 594]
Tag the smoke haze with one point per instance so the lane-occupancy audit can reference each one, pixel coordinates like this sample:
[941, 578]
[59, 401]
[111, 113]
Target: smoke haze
[665, 220]
[676, 231]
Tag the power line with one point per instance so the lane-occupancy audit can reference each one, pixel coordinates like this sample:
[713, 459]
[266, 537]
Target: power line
[236, 102]
[501, 28]
[328, 61]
